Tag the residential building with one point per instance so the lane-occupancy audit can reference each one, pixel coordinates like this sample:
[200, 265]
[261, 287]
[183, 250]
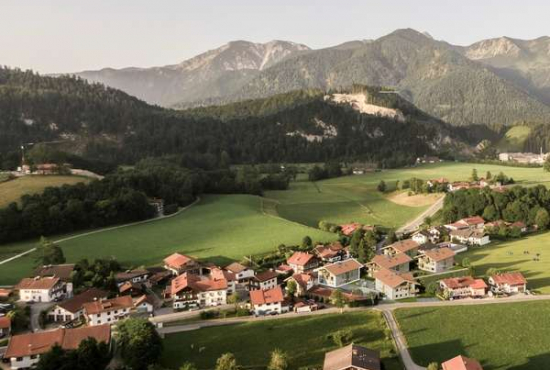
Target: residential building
[352, 357]
[144, 304]
[462, 287]
[348, 229]
[339, 273]
[267, 302]
[73, 309]
[304, 282]
[509, 283]
[107, 311]
[398, 263]
[302, 261]
[461, 363]
[194, 291]
[217, 273]
[264, 280]
[63, 271]
[436, 259]
[179, 264]
[24, 350]
[395, 285]
[433, 182]
[331, 253]
[242, 273]
[132, 276]
[421, 236]
[474, 222]
[307, 306]
[5, 326]
[46, 289]
[5, 293]
[470, 236]
[131, 289]
[407, 246]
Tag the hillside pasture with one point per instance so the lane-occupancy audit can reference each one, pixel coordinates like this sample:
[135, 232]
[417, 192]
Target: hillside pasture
[514, 139]
[304, 339]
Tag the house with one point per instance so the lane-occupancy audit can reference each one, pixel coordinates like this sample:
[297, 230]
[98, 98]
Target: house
[352, 357]
[461, 363]
[348, 229]
[436, 233]
[339, 273]
[264, 280]
[267, 302]
[131, 289]
[398, 263]
[395, 285]
[304, 282]
[64, 272]
[475, 222]
[24, 350]
[428, 159]
[462, 287]
[159, 277]
[331, 253]
[433, 182]
[509, 283]
[284, 269]
[436, 260]
[5, 326]
[193, 291]
[73, 309]
[459, 185]
[407, 246]
[179, 263]
[306, 306]
[470, 236]
[144, 304]
[5, 293]
[46, 289]
[421, 236]
[241, 272]
[217, 273]
[132, 276]
[302, 261]
[107, 311]
[519, 225]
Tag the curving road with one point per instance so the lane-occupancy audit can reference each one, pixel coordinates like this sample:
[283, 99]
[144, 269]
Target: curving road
[415, 224]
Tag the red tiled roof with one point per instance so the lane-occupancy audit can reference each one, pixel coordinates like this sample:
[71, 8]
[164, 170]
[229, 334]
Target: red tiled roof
[236, 267]
[439, 254]
[348, 229]
[475, 220]
[303, 279]
[5, 293]
[341, 267]
[45, 283]
[259, 297]
[196, 283]
[219, 274]
[300, 258]
[5, 322]
[392, 279]
[461, 363]
[463, 282]
[106, 305]
[178, 261]
[510, 278]
[284, 268]
[328, 251]
[388, 262]
[404, 245]
[61, 271]
[41, 342]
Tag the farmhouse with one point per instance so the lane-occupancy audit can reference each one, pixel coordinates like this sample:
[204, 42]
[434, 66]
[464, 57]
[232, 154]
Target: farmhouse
[352, 357]
[470, 236]
[436, 260]
[24, 350]
[421, 236]
[191, 291]
[462, 287]
[73, 308]
[302, 261]
[217, 273]
[398, 263]
[132, 276]
[307, 306]
[107, 311]
[5, 293]
[509, 283]
[433, 182]
[348, 229]
[63, 272]
[394, 285]
[474, 222]
[304, 282]
[241, 272]
[266, 302]
[339, 273]
[38, 289]
[144, 304]
[179, 263]
[331, 253]
[5, 326]
[407, 246]
[264, 280]
[461, 363]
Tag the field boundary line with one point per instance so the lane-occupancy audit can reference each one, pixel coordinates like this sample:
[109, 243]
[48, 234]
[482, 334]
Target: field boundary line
[284, 219]
[160, 218]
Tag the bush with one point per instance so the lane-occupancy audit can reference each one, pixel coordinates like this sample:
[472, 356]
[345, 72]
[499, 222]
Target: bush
[342, 337]
[170, 209]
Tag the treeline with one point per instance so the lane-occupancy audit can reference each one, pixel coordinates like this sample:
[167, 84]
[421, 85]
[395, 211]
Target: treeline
[328, 171]
[528, 205]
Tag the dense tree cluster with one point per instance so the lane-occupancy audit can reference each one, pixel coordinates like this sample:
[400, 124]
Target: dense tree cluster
[90, 355]
[328, 171]
[140, 344]
[98, 274]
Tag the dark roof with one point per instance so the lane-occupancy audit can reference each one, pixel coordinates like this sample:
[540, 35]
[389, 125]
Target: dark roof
[352, 356]
[129, 275]
[60, 271]
[75, 304]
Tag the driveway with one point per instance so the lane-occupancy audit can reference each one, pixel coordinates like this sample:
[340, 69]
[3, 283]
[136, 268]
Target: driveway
[36, 309]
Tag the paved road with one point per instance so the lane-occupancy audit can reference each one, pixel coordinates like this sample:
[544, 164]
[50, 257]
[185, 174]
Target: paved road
[400, 342]
[415, 224]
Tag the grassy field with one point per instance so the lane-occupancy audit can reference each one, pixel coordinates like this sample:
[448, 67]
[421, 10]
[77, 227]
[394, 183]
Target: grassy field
[355, 198]
[219, 228]
[11, 191]
[509, 255]
[304, 339]
[514, 139]
[504, 336]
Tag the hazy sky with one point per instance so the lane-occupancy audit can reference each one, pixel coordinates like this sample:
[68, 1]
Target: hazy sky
[73, 35]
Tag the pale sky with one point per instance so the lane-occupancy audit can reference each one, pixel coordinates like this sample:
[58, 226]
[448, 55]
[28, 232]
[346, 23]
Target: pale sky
[52, 36]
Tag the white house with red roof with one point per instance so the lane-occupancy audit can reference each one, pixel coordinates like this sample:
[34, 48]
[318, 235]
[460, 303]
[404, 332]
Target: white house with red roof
[339, 273]
[474, 222]
[107, 311]
[217, 273]
[398, 263]
[509, 283]
[266, 302]
[241, 272]
[193, 291]
[264, 280]
[461, 363]
[331, 253]
[302, 261]
[464, 286]
[436, 259]
[470, 236]
[406, 246]
[304, 282]
[180, 263]
[42, 289]
[395, 285]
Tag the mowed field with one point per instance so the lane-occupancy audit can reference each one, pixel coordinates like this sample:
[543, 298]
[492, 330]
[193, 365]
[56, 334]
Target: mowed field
[11, 191]
[305, 339]
[355, 198]
[219, 228]
[510, 336]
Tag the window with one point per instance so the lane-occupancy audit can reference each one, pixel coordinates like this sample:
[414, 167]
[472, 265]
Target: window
[33, 357]
[19, 359]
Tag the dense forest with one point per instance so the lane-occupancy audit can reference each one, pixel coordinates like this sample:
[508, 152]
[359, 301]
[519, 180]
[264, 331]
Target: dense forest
[105, 124]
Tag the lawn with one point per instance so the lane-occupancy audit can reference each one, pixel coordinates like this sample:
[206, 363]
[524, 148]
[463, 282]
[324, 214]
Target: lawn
[219, 228]
[304, 339]
[11, 191]
[500, 336]
[509, 255]
[514, 139]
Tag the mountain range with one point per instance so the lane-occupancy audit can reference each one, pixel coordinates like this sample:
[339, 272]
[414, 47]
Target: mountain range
[496, 82]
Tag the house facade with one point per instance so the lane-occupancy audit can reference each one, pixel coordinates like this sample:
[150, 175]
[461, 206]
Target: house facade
[302, 261]
[463, 287]
[436, 260]
[107, 311]
[331, 253]
[304, 282]
[395, 285]
[267, 302]
[193, 291]
[509, 283]
[339, 273]
[241, 272]
[46, 289]
[179, 264]
[73, 309]
[63, 272]
[132, 276]
[263, 280]
[398, 263]
[470, 236]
